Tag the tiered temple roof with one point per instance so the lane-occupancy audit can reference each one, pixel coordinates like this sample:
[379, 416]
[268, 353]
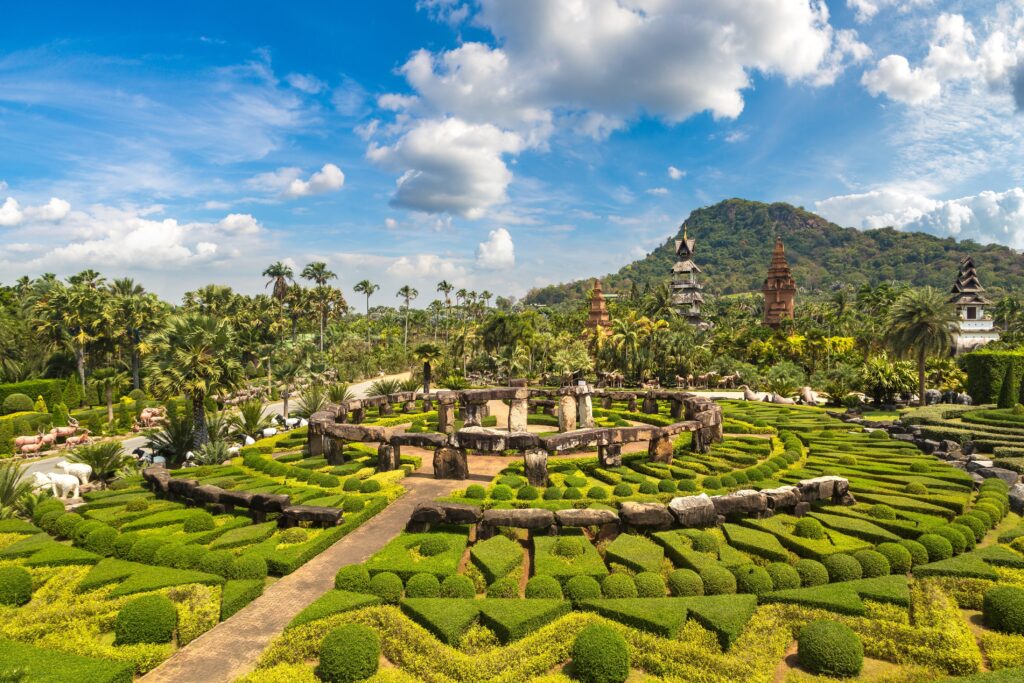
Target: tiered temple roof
[779, 288]
[967, 289]
[598, 315]
[686, 290]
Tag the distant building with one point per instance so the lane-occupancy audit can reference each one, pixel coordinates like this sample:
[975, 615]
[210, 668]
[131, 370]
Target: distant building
[686, 290]
[598, 315]
[975, 327]
[779, 288]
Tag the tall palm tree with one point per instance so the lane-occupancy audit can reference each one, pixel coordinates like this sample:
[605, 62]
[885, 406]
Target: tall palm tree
[109, 380]
[428, 354]
[193, 355]
[445, 287]
[320, 274]
[408, 293]
[921, 324]
[133, 313]
[71, 316]
[279, 275]
[366, 288]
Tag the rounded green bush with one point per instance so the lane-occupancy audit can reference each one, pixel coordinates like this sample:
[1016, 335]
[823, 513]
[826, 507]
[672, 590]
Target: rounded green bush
[512, 481]
[67, 523]
[667, 486]
[704, 542]
[830, 648]
[1003, 609]
[123, 544]
[386, 586]
[847, 460]
[293, 535]
[784, 576]
[353, 504]
[976, 526]
[575, 481]
[580, 588]
[351, 484]
[101, 541]
[937, 546]
[136, 505]
[15, 586]
[527, 493]
[433, 545]
[729, 481]
[998, 500]
[996, 484]
[649, 585]
[572, 493]
[83, 530]
[600, 655]
[622, 490]
[457, 586]
[146, 619]
[17, 403]
[476, 492]
[422, 585]
[994, 512]
[882, 511]
[879, 434]
[686, 485]
[45, 507]
[507, 587]
[349, 653]
[684, 583]
[872, 563]
[740, 476]
[982, 516]
[597, 493]
[165, 555]
[369, 486]
[619, 585]
[546, 587]
[918, 467]
[966, 532]
[217, 562]
[842, 567]
[568, 546]
[199, 520]
[717, 580]
[48, 520]
[647, 487]
[144, 549]
[812, 573]
[752, 579]
[898, 557]
[916, 488]
[918, 553]
[353, 578]
[956, 539]
[501, 492]
[190, 556]
[711, 483]
[552, 493]
[808, 527]
[248, 566]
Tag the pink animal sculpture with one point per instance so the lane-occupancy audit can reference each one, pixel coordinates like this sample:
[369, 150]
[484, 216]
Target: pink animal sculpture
[78, 439]
[31, 447]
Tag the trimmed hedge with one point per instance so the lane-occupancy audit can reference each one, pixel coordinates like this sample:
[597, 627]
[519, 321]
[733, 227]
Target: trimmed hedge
[496, 557]
[15, 586]
[447, 619]
[599, 655]
[511, 619]
[49, 666]
[146, 619]
[349, 653]
[332, 602]
[237, 594]
[1003, 609]
[830, 648]
[636, 552]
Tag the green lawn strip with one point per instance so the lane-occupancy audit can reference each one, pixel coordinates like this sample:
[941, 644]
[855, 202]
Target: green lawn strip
[496, 557]
[26, 546]
[332, 602]
[58, 555]
[239, 593]
[402, 557]
[636, 552]
[511, 618]
[725, 615]
[1000, 556]
[846, 597]
[244, 535]
[117, 516]
[817, 549]
[760, 543]
[855, 527]
[50, 666]
[976, 564]
[159, 519]
[547, 563]
[904, 528]
[446, 618]
[660, 616]
[140, 578]
[120, 499]
[17, 526]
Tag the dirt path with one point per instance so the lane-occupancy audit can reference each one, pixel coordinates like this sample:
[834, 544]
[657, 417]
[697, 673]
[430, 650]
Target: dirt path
[232, 648]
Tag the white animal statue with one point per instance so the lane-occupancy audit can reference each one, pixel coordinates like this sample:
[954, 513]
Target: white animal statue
[808, 396]
[269, 431]
[782, 400]
[303, 422]
[748, 393]
[249, 440]
[234, 450]
[60, 484]
[76, 469]
[291, 422]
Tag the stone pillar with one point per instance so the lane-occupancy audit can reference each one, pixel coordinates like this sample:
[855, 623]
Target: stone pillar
[334, 451]
[428, 405]
[606, 402]
[387, 457]
[386, 409]
[650, 405]
[677, 408]
[446, 415]
[518, 411]
[450, 463]
[473, 414]
[631, 403]
[566, 413]
[315, 439]
[358, 415]
[610, 455]
[585, 411]
[659, 449]
[536, 462]
[409, 407]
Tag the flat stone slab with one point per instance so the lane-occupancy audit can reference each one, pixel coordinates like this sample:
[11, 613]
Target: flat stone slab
[746, 501]
[315, 514]
[646, 515]
[694, 511]
[585, 517]
[532, 518]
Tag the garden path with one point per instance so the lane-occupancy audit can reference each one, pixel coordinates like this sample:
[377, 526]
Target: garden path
[232, 648]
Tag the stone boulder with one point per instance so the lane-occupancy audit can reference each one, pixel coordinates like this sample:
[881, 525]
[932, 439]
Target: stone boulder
[530, 518]
[1009, 476]
[744, 502]
[291, 515]
[236, 498]
[270, 502]
[182, 487]
[450, 463]
[1017, 498]
[653, 516]
[782, 498]
[207, 495]
[585, 517]
[694, 511]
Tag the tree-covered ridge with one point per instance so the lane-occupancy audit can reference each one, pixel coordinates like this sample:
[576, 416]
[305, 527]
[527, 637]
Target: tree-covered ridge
[734, 243]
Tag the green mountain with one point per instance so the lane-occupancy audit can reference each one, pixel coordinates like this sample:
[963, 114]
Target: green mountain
[735, 239]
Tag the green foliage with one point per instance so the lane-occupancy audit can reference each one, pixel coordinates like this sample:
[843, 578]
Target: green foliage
[580, 588]
[756, 542]
[784, 576]
[496, 557]
[543, 587]
[808, 527]
[1004, 609]
[636, 552]
[237, 594]
[198, 520]
[752, 579]
[830, 648]
[501, 492]
[987, 371]
[333, 602]
[717, 580]
[619, 586]
[349, 653]
[146, 619]
[15, 586]
[563, 568]
[600, 655]
[649, 585]
[447, 619]
[423, 586]
[872, 563]
[684, 583]
[512, 619]
[474, 491]
[938, 547]
[40, 665]
[354, 578]
[899, 558]
[248, 566]
[386, 586]
[457, 586]
[918, 553]
[16, 403]
[842, 567]
[438, 552]
[507, 587]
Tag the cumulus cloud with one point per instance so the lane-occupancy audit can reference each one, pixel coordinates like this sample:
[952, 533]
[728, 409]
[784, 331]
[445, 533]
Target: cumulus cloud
[12, 214]
[865, 10]
[449, 165]
[987, 217]
[497, 252]
[425, 265]
[658, 191]
[240, 224]
[676, 173]
[894, 77]
[288, 183]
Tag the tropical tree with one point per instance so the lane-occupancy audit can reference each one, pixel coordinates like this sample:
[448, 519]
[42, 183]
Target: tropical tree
[250, 420]
[132, 313]
[320, 274]
[921, 324]
[106, 458]
[367, 289]
[279, 275]
[408, 293]
[14, 488]
[312, 400]
[109, 380]
[444, 287]
[428, 354]
[194, 356]
[71, 316]
[174, 440]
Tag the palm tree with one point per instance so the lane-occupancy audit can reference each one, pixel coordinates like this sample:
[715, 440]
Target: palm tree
[366, 288]
[193, 355]
[428, 354]
[408, 293]
[109, 380]
[250, 420]
[279, 275]
[445, 287]
[14, 488]
[318, 273]
[921, 324]
[107, 459]
[174, 440]
[133, 313]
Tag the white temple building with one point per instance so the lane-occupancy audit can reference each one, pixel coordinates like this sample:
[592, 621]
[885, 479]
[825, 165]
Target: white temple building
[975, 327]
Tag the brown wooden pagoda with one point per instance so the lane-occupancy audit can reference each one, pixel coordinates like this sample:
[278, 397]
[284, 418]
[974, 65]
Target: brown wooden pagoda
[779, 288]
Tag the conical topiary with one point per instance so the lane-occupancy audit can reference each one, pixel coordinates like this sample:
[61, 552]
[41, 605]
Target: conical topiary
[1007, 392]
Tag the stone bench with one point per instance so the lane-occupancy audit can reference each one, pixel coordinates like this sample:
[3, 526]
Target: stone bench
[427, 515]
[324, 517]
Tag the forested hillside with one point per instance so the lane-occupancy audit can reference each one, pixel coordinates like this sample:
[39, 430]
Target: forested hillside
[735, 238]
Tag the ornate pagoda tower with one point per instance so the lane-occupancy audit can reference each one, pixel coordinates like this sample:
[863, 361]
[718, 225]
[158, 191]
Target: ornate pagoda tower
[779, 288]
[974, 326]
[686, 291]
[598, 315]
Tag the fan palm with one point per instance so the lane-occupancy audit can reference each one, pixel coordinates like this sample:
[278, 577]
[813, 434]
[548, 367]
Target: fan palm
[408, 293]
[318, 273]
[428, 354]
[106, 458]
[921, 324]
[279, 275]
[175, 439]
[14, 487]
[366, 288]
[109, 380]
[384, 387]
[313, 400]
[250, 419]
[340, 393]
[213, 453]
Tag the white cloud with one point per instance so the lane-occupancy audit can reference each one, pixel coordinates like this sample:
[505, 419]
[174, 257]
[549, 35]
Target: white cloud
[890, 206]
[10, 213]
[425, 265]
[676, 173]
[240, 224]
[288, 183]
[498, 252]
[22, 248]
[657, 191]
[736, 136]
[895, 78]
[306, 83]
[215, 204]
[449, 166]
[3, 185]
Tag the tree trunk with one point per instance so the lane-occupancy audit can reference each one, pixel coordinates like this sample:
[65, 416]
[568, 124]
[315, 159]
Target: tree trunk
[110, 403]
[426, 377]
[285, 395]
[202, 434]
[920, 379]
[136, 383]
[405, 341]
[323, 315]
[80, 363]
[367, 320]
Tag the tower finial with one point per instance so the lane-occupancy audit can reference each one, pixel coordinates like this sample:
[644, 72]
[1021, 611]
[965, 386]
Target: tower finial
[684, 230]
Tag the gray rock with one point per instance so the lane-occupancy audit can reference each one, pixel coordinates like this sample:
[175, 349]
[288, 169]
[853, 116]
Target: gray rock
[1017, 498]
[646, 515]
[746, 502]
[1009, 476]
[313, 514]
[782, 498]
[270, 502]
[530, 518]
[694, 511]
[450, 463]
[585, 517]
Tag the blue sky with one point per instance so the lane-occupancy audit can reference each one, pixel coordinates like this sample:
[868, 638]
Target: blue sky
[498, 144]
